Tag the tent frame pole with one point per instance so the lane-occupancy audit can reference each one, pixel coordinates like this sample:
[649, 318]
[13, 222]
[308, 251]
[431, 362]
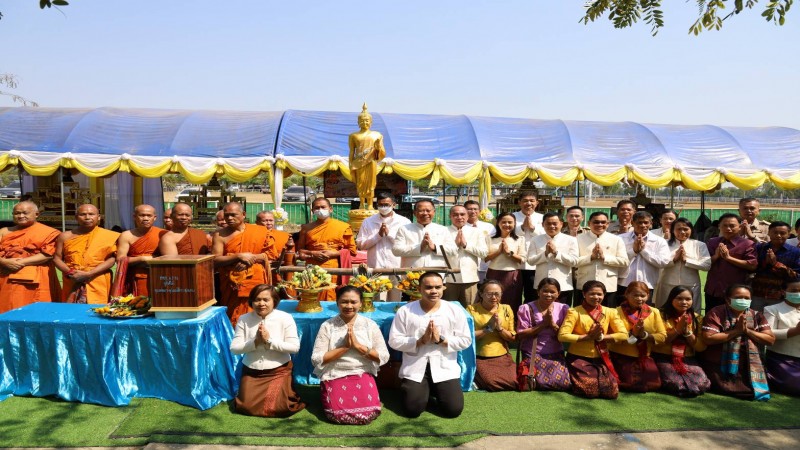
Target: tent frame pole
[63, 203]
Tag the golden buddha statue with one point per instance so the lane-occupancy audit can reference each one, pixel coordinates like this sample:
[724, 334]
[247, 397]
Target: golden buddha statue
[366, 149]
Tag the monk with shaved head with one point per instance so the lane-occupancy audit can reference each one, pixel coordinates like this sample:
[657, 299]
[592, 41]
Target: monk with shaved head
[85, 255]
[241, 254]
[26, 254]
[134, 248]
[183, 239]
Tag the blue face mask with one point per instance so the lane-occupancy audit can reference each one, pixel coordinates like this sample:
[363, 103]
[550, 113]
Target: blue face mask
[740, 304]
[793, 298]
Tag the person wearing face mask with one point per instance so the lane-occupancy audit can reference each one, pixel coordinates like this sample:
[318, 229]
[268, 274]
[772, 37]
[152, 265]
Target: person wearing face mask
[732, 360]
[778, 264]
[376, 236]
[681, 375]
[783, 357]
[636, 368]
[322, 240]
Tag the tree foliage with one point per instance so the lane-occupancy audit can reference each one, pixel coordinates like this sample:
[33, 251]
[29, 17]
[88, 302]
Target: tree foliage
[10, 81]
[711, 13]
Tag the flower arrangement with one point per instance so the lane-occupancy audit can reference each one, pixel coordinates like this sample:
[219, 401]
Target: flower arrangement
[127, 306]
[486, 215]
[281, 216]
[373, 284]
[410, 283]
[310, 279]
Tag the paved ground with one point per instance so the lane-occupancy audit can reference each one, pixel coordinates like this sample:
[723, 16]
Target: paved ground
[668, 440]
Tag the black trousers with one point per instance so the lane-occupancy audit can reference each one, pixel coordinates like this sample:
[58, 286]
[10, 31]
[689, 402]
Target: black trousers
[449, 396]
[712, 301]
[529, 292]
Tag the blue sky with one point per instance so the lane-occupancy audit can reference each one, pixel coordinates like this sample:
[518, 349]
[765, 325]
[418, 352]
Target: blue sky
[526, 58]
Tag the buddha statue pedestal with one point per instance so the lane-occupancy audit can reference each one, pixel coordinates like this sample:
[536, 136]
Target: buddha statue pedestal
[358, 215]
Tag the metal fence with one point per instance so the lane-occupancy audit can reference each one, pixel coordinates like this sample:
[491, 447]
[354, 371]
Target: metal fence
[297, 212]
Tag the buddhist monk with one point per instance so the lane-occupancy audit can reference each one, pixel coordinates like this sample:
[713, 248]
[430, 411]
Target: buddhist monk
[168, 219]
[134, 248]
[219, 219]
[267, 219]
[183, 239]
[320, 241]
[26, 254]
[240, 251]
[85, 255]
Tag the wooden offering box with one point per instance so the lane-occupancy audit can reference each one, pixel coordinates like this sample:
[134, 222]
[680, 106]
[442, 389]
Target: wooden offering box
[181, 286]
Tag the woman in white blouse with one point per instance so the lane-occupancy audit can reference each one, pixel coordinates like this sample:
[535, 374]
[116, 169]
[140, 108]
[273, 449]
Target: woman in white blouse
[267, 337]
[507, 253]
[689, 257]
[783, 357]
[348, 352]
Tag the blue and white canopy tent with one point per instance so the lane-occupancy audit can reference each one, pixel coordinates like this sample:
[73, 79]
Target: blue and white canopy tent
[457, 149]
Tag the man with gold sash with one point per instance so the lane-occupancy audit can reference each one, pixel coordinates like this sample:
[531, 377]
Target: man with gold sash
[183, 239]
[322, 240]
[85, 255]
[134, 248]
[26, 253]
[240, 251]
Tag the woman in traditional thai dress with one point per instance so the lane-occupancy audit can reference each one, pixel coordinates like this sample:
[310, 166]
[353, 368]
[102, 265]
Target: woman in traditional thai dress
[636, 368]
[681, 375]
[783, 358]
[494, 329]
[267, 337]
[538, 322]
[588, 329]
[507, 252]
[689, 257]
[348, 352]
[731, 360]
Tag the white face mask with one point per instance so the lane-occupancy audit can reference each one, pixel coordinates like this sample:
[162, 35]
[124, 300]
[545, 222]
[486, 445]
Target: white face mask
[322, 213]
[385, 210]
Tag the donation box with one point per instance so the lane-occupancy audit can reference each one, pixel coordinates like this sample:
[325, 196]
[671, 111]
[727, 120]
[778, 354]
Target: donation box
[181, 286]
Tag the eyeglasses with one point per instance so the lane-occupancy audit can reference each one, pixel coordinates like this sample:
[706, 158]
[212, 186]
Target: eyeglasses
[493, 294]
[599, 222]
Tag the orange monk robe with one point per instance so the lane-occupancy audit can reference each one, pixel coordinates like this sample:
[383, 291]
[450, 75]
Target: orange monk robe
[146, 245]
[236, 285]
[31, 283]
[280, 239]
[330, 235]
[85, 252]
[194, 242]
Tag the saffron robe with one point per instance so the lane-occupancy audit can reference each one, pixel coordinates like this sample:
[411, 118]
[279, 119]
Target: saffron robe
[85, 252]
[136, 278]
[194, 242]
[329, 235]
[31, 283]
[236, 285]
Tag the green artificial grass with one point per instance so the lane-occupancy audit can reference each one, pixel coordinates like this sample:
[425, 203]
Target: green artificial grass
[36, 422]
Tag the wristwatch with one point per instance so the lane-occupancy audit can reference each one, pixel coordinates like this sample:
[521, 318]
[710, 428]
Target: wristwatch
[441, 339]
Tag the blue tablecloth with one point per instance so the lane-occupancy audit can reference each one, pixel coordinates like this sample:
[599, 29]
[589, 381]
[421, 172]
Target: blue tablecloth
[69, 352]
[308, 325]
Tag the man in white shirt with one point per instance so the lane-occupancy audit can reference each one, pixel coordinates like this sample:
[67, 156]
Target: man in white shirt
[554, 254]
[472, 248]
[529, 224]
[430, 333]
[376, 236]
[486, 228]
[420, 243]
[601, 256]
[648, 254]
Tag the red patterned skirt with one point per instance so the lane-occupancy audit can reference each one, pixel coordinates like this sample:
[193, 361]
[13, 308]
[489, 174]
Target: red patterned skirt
[636, 374]
[691, 384]
[497, 373]
[268, 393]
[351, 400]
[591, 378]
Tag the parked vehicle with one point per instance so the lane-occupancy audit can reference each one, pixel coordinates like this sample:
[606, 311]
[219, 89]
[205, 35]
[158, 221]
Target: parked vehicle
[12, 190]
[416, 198]
[295, 194]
